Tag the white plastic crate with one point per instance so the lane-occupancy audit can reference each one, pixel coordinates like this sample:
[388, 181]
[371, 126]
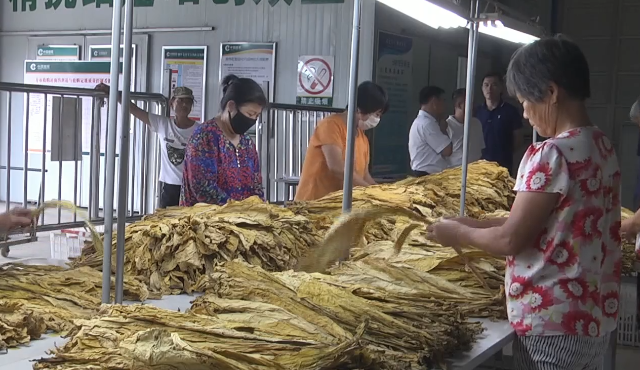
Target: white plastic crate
[628, 328]
[65, 246]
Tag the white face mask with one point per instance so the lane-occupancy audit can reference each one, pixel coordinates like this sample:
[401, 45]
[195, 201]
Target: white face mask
[370, 123]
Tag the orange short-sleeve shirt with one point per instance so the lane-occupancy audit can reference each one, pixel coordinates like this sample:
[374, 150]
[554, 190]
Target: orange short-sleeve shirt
[316, 180]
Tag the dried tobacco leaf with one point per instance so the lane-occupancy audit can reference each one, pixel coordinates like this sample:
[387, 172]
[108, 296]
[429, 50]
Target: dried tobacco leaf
[50, 298]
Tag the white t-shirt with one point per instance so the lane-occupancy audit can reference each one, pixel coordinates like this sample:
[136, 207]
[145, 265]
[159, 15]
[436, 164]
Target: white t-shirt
[173, 143]
[426, 143]
[476, 140]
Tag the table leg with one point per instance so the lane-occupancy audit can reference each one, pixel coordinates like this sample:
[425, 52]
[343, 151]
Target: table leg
[610, 355]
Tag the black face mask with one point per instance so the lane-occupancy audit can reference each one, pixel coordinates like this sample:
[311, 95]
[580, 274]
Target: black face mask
[240, 123]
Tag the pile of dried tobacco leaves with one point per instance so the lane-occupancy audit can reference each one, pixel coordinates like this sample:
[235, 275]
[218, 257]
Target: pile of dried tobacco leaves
[173, 248]
[37, 299]
[368, 317]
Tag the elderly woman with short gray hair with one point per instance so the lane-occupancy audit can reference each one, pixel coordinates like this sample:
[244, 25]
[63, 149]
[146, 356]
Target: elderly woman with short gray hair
[562, 237]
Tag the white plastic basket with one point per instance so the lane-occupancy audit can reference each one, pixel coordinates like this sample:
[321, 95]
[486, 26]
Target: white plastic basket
[65, 246]
[628, 328]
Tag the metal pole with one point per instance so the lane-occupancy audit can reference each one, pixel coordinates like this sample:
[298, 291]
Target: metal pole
[123, 178]
[468, 110]
[116, 30]
[8, 172]
[351, 118]
[535, 136]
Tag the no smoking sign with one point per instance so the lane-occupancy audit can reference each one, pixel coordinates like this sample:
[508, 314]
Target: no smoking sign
[315, 80]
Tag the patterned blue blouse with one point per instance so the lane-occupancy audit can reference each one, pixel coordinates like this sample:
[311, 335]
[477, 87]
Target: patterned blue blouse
[216, 171]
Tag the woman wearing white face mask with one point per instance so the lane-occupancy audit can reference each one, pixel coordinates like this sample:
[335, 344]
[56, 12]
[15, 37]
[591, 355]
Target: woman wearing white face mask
[323, 169]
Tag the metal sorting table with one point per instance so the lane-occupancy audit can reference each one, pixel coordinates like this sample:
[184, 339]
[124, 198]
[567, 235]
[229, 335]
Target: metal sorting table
[496, 336]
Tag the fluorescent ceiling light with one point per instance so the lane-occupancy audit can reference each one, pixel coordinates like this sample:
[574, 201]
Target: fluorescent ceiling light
[427, 12]
[508, 29]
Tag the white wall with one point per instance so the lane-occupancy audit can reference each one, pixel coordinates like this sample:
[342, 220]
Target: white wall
[322, 29]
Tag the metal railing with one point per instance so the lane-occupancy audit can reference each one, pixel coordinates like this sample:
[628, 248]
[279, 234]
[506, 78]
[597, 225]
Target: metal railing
[53, 148]
[282, 139]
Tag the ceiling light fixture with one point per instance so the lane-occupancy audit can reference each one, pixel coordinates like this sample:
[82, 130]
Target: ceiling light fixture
[434, 13]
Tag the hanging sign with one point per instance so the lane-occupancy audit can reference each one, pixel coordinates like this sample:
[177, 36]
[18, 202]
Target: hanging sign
[186, 66]
[315, 81]
[102, 53]
[250, 60]
[58, 52]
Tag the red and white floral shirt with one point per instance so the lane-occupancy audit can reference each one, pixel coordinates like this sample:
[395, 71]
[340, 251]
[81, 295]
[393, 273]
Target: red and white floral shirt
[568, 282]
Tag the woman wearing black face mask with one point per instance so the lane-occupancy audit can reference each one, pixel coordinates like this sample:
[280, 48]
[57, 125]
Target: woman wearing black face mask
[221, 162]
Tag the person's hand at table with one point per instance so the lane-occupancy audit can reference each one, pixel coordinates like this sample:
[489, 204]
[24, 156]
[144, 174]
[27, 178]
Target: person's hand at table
[103, 88]
[17, 218]
[628, 229]
[445, 232]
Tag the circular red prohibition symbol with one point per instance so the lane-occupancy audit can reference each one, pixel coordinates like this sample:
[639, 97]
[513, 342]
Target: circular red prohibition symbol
[316, 77]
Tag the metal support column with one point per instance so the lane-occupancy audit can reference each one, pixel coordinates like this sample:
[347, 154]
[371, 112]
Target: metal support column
[351, 114]
[472, 56]
[116, 29]
[123, 177]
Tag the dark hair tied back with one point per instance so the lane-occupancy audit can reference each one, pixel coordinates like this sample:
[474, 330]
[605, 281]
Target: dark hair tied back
[227, 81]
[241, 91]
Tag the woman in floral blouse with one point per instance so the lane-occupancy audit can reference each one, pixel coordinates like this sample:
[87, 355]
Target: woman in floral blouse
[221, 162]
[562, 237]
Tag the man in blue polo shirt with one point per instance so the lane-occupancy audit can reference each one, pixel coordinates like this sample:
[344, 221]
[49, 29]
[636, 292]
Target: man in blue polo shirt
[501, 123]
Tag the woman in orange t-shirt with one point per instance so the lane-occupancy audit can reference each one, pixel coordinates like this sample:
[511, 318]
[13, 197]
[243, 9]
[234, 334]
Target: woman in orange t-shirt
[323, 169]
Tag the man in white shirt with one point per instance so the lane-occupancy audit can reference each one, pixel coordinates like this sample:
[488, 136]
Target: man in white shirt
[174, 134]
[455, 129]
[429, 144]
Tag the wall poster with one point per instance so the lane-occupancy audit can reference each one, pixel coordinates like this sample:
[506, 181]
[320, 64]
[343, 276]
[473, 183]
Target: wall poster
[186, 66]
[250, 60]
[394, 60]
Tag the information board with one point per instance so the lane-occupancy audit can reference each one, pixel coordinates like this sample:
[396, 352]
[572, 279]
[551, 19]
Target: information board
[394, 62]
[250, 60]
[187, 66]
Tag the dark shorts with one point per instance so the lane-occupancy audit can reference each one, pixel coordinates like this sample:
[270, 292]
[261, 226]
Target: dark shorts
[169, 195]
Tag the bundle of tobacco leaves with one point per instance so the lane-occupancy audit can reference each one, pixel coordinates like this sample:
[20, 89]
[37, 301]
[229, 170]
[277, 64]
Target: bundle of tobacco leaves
[172, 248]
[19, 325]
[144, 337]
[423, 326]
[630, 256]
[36, 299]
[255, 319]
[489, 189]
